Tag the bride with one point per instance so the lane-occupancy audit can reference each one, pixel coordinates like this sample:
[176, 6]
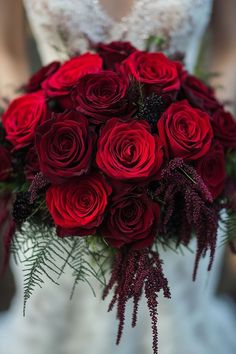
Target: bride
[194, 321]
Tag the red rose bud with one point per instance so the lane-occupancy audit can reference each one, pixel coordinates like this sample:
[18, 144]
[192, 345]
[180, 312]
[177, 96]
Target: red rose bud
[62, 81]
[77, 207]
[132, 219]
[128, 150]
[41, 75]
[5, 164]
[153, 69]
[102, 96]
[22, 117]
[64, 146]
[224, 127]
[212, 169]
[185, 131]
[199, 95]
[114, 53]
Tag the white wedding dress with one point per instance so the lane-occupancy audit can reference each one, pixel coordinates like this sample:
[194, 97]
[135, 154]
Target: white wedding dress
[194, 321]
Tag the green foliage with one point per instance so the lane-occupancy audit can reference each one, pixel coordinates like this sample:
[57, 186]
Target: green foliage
[45, 255]
[231, 164]
[228, 226]
[155, 42]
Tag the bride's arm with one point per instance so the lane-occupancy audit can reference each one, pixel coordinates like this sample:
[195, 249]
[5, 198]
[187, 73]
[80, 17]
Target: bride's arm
[223, 51]
[13, 55]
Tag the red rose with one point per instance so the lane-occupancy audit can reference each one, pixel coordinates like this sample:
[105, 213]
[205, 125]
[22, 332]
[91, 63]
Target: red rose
[62, 81]
[41, 75]
[31, 164]
[154, 69]
[199, 95]
[64, 145]
[212, 169]
[22, 117]
[78, 206]
[128, 150]
[224, 127]
[185, 131]
[101, 96]
[114, 53]
[132, 219]
[5, 164]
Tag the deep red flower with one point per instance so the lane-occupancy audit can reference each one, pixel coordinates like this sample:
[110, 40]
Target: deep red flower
[41, 75]
[128, 150]
[185, 131]
[65, 146]
[153, 69]
[211, 168]
[101, 96]
[132, 219]
[62, 81]
[199, 95]
[78, 206]
[5, 164]
[22, 117]
[224, 127]
[114, 53]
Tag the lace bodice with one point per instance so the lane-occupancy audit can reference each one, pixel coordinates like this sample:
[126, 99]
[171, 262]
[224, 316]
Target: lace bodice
[64, 27]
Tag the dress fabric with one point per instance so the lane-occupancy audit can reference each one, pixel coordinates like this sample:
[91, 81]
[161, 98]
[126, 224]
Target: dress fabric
[194, 321]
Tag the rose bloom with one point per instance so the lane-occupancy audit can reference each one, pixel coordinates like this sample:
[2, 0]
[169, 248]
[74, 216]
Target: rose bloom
[224, 127]
[5, 164]
[153, 69]
[64, 146]
[212, 169]
[199, 95]
[22, 117]
[77, 207]
[185, 131]
[41, 75]
[62, 81]
[114, 53]
[101, 96]
[128, 150]
[132, 219]
[31, 164]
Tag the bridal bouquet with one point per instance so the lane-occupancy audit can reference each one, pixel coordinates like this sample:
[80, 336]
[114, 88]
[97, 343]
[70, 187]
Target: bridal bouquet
[105, 159]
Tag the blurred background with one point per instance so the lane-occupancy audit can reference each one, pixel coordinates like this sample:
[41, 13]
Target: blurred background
[217, 59]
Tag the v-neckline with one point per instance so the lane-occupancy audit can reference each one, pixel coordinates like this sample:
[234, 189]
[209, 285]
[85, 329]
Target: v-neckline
[110, 18]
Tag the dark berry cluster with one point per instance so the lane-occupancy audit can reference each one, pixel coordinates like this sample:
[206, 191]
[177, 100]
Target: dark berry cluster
[22, 207]
[152, 108]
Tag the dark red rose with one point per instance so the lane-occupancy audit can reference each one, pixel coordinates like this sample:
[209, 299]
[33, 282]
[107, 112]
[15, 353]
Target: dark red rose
[132, 220]
[64, 146]
[185, 131]
[154, 69]
[5, 164]
[211, 168]
[224, 127]
[114, 53]
[77, 207]
[61, 82]
[31, 164]
[22, 117]
[101, 96]
[199, 95]
[41, 75]
[128, 150]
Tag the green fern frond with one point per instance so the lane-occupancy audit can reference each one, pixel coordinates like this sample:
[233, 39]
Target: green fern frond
[228, 227]
[45, 255]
